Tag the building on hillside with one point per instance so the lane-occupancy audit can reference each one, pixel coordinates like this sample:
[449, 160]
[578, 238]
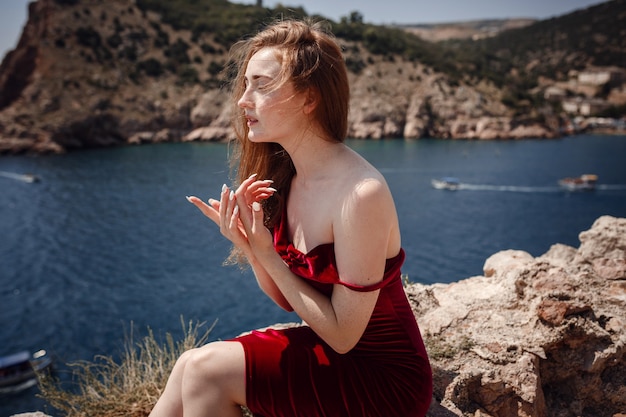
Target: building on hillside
[601, 76]
[554, 93]
[584, 106]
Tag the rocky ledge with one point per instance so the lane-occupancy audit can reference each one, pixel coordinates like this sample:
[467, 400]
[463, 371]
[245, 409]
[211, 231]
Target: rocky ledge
[536, 337]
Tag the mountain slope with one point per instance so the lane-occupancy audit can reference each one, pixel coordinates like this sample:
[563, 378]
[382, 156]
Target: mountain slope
[90, 73]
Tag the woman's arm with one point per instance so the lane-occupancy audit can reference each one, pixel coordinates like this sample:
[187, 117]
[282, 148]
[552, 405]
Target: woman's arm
[256, 191]
[268, 285]
[361, 227]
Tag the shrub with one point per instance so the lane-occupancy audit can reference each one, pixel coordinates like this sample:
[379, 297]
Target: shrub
[105, 388]
[89, 37]
[177, 52]
[215, 68]
[114, 40]
[355, 65]
[151, 67]
[188, 75]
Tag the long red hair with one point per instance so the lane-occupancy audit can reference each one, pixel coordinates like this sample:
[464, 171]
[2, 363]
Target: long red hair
[312, 61]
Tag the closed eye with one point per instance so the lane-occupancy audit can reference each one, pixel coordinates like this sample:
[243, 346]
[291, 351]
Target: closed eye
[259, 82]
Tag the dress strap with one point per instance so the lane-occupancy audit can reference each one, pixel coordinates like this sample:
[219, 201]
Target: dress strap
[392, 273]
[373, 287]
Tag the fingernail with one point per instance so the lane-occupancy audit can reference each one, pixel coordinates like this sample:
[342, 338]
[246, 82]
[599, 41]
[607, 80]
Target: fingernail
[256, 206]
[224, 187]
[235, 210]
[188, 199]
[274, 190]
[253, 175]
[231, 196]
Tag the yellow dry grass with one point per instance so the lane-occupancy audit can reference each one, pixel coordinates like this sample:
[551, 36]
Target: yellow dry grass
[130, 388]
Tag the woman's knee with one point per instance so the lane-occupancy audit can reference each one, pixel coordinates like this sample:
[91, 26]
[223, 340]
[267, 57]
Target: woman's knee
[218, 364]
[202, 362]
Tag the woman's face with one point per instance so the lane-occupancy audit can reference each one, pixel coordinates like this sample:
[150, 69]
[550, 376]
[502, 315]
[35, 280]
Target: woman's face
[272, 114]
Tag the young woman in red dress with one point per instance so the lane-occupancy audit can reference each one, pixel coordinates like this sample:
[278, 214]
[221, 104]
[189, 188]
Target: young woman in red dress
[318, 225]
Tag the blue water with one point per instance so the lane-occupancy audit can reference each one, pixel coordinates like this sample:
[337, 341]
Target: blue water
[107, 238]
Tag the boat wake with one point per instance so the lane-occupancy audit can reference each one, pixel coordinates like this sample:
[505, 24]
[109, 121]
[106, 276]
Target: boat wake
[527, 189]
[611, 187]
[19, 177]
[509, 188]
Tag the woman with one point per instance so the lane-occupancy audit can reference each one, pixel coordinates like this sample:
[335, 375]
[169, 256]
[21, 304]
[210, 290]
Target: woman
[318, 225]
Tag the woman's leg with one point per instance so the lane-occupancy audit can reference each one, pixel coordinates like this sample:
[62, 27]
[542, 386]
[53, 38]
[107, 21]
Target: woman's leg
[205, 382]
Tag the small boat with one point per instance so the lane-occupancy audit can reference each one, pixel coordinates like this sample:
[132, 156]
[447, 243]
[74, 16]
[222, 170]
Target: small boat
[446, 183]
[585, 182]
[18, 371]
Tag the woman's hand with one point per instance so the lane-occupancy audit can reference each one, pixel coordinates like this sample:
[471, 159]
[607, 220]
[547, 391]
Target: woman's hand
[225, 212]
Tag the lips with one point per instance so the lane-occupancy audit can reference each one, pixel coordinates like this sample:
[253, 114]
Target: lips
[251, 120]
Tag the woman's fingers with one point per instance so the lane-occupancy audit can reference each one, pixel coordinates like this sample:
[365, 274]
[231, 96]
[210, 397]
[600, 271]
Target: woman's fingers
[209, 211]
[252, 190]
[233, 212]
[260, 236]
[223, 206]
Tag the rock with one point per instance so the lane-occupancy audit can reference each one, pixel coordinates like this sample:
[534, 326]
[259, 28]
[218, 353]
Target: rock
[35, 414]
[537, 337]
[209, 108]
[209, 133]
[531, 131]
[416, 118]
[605, 240]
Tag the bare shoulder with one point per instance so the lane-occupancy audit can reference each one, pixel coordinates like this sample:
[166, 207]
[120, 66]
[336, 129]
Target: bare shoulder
[366, 199]
[365, 229]
[363, 181]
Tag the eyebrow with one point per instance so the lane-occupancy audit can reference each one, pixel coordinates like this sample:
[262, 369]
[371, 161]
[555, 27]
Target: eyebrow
[256, 77]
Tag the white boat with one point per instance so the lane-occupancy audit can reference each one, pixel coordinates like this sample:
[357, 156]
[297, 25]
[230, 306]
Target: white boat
[18, 371]
[585, 182]
[446, 183]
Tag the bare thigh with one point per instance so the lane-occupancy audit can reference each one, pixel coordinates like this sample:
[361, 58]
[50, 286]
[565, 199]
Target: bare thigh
[219, 367]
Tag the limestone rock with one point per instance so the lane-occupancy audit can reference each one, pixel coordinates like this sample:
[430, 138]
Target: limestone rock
[537, 337]
[35, 414]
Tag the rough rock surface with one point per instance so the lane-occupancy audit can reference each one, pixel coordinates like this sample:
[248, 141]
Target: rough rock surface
[538, 337]
[532, 337]
[35, 414]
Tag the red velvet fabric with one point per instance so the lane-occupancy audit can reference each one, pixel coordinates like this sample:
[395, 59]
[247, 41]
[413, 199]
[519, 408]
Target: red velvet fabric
[293, 372]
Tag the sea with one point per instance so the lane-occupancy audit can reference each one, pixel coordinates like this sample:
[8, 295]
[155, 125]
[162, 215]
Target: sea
[105, 243]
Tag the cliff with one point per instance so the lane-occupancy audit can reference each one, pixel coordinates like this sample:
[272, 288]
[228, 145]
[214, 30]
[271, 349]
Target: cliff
[90, 73]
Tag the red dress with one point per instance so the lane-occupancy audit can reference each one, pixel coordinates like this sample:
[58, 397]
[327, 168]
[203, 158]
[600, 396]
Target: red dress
[293, 372]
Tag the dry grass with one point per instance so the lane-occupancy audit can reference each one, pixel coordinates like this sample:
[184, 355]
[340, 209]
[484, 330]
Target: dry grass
[105, 388]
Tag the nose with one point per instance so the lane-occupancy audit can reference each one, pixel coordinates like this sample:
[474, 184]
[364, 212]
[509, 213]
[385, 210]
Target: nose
[244, 101]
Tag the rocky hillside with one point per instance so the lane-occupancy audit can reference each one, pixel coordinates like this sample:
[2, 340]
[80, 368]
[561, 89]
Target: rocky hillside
[473, 29]
[92, 73]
